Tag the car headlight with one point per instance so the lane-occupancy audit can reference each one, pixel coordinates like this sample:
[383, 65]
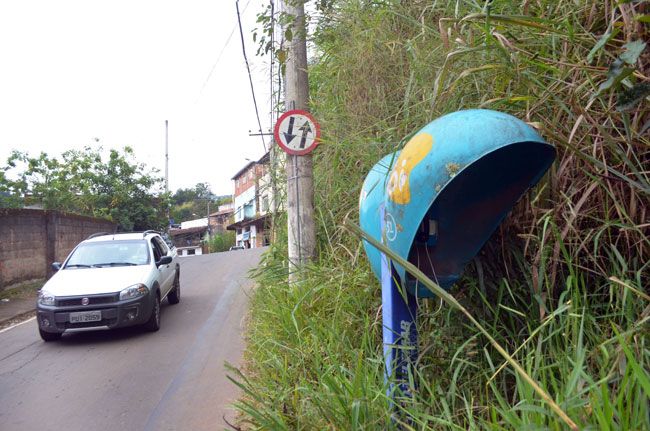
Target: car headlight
[135, 291]
[45, 298]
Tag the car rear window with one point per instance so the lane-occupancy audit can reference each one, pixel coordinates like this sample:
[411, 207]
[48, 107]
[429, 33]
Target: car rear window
[109, 253]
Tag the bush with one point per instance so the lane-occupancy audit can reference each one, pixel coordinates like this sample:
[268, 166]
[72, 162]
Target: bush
[221, 241]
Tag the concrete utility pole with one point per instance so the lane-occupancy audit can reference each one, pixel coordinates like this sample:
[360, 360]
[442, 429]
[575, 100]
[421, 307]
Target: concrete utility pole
[166, 156]
[208, 219]
[167, 165]
[300, 183]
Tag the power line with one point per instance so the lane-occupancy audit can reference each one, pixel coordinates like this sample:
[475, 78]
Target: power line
[275, 104]
[272, 6]
[250, 77]
[214, 65]
[279, 95]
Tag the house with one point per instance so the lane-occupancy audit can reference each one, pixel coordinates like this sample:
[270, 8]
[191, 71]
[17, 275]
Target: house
[220, 220]
[189, 240]
[191, 235]
[194, 223]
[253, 204]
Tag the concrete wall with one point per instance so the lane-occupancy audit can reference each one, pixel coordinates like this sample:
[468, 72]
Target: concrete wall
[30, 240]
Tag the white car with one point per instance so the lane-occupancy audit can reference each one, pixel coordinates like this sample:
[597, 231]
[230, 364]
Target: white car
[109, 281]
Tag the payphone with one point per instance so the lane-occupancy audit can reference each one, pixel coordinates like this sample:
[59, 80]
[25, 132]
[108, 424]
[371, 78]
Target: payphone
[435, 203]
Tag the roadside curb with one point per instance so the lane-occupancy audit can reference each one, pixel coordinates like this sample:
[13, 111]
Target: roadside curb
[20, 317]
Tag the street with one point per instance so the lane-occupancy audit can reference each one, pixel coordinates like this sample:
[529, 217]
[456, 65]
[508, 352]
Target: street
[129, 379]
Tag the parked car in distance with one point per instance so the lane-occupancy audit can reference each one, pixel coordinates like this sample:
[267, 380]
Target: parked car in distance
[109, 281]
[236, 247]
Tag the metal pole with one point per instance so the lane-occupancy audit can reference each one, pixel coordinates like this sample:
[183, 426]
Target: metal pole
[297, 175]
[400, 336]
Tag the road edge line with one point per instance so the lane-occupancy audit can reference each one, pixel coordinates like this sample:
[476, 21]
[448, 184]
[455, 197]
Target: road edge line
[17, 324]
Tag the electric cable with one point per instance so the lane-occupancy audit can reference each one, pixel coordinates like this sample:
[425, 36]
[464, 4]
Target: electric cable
[272, 6]
[250, 77]
[214, 65]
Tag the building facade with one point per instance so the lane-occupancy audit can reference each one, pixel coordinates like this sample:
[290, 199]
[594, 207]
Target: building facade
[220, 220]
[253, 204]
[189, 241]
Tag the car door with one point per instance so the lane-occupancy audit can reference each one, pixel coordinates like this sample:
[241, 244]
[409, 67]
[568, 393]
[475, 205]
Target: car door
[166, 272]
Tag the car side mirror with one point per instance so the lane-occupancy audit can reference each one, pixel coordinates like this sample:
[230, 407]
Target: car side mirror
[56, 266]
[165, 260]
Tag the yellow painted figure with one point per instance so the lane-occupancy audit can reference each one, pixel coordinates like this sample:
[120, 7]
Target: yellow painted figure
[399, 190]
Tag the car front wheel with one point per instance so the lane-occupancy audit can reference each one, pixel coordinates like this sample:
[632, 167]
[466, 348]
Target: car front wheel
[153, 324]
[174, 296]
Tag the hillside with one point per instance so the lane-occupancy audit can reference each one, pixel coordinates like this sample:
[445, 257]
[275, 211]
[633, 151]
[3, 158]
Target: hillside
[562, 285]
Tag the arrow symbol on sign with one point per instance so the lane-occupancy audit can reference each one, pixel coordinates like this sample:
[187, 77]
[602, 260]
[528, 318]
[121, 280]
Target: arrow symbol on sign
[305, 130]
[288, 135]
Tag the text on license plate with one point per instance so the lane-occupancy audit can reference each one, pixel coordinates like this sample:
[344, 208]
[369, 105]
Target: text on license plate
[86, 316]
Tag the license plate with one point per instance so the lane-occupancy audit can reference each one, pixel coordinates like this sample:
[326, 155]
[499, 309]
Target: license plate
[86, 316]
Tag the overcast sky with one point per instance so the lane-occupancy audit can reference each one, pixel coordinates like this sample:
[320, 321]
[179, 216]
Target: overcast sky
[74, 71]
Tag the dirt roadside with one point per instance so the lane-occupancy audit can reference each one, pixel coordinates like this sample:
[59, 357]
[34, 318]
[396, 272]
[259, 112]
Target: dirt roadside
[18, 302]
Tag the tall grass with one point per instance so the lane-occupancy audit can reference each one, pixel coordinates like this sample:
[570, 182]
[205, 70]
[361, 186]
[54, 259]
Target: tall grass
[562, 285]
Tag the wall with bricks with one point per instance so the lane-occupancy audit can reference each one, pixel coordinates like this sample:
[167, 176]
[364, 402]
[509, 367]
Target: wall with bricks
[30, 240]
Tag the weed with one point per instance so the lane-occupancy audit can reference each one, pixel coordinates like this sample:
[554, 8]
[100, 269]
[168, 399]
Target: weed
[561, 286]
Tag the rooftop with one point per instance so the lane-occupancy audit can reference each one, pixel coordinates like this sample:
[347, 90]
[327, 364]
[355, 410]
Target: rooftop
[242, 170]
[222, 212]
[264, 159]
[178, 232]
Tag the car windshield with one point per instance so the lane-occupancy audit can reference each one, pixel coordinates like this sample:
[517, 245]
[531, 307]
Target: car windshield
[109, 253]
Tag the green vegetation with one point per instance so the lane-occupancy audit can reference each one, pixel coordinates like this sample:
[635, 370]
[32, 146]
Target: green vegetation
[83, 182]
[562, 285]
[221, 241]
[119, 188]
[193, 203]
[28, 289]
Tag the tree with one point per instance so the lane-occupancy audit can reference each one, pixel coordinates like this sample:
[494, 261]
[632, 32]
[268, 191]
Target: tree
[120, 188]
[190, 203]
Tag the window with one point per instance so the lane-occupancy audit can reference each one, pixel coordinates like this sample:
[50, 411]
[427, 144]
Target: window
[113, 252]
[156, 251]
[162, 247]
[265, 203]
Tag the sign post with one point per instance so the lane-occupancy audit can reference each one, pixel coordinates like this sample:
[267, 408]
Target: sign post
[298, 134]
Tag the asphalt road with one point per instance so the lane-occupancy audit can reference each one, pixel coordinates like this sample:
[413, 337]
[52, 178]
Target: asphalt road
[173, 379]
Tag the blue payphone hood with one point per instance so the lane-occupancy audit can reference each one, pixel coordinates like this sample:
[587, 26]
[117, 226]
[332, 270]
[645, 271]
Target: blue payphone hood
[448, 189]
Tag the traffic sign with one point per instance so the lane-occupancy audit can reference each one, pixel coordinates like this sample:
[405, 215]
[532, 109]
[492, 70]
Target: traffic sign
[296, 132]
